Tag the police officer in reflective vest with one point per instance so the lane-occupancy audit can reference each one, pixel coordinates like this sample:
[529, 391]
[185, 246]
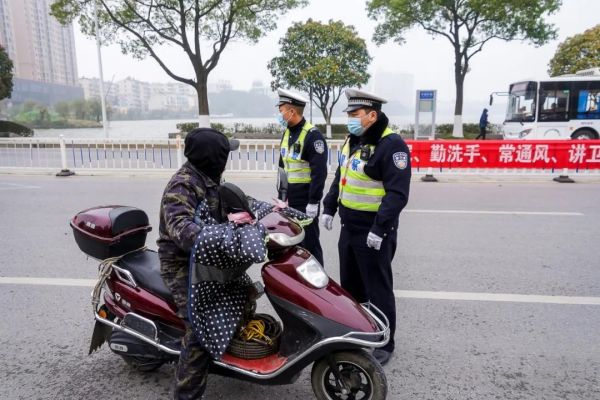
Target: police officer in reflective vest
[304, 158]
[370, 189]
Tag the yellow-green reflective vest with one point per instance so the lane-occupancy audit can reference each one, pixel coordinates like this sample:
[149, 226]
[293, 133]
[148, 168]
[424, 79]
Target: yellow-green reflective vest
[357, 190]
[298, 170]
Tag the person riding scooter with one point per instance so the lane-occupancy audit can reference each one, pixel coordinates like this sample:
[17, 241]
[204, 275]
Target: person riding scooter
[321, 325]
[195, 183]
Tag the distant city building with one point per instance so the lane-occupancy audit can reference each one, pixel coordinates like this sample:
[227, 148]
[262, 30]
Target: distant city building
[260, 88]
[172, 96]
[131, 94]
[42, 51]
[396, 87]
[221, 85]
[91, 90]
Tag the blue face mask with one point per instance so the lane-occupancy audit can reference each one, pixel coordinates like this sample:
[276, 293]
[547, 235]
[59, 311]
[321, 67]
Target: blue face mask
[282, 120]
[355, 127]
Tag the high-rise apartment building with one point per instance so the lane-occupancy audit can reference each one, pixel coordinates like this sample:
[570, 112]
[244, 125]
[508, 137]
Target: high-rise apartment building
[41, 48]
[42, 51]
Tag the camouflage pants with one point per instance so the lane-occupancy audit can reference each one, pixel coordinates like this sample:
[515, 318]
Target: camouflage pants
[192, 369]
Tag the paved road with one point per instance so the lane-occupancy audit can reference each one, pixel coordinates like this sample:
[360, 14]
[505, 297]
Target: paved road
[457, 239]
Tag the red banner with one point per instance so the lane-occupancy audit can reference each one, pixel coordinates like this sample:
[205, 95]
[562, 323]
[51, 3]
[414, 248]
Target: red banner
[531, 154]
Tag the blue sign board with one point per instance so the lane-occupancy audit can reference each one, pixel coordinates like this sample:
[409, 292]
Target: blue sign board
[426, 95]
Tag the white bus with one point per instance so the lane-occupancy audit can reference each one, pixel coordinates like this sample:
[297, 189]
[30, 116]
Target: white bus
[562, 107]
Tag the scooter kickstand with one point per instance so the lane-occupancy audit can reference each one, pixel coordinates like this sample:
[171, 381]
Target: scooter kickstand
[339, 381]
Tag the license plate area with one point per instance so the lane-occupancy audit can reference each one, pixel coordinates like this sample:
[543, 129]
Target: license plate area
[141, 325]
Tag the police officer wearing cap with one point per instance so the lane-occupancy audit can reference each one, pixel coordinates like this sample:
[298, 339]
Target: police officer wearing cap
[370, 189]
[304, 157]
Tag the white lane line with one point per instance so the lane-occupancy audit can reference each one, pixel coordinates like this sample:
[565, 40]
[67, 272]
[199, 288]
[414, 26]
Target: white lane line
[47, 281]
[12, 186]
[552, 213]
[498, 297]
[407, 294]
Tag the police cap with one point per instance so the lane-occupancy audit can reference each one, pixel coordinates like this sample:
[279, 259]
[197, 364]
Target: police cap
[288, 97]
[360, 99]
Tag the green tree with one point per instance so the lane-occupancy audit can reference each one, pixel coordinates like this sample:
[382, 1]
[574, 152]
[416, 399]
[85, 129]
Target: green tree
[94, 109]
[6, 74]
[468, 25]
[63, 109]
[43, 113]
[79, 108]
[200, 28]
[322, 59]
[28, 106]
[577, 52]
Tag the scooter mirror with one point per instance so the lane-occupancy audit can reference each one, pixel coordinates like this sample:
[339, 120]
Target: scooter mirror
[491, 99]
[282, 184]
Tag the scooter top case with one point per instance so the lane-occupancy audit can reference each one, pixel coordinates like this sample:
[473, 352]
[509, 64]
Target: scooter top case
[110, 231]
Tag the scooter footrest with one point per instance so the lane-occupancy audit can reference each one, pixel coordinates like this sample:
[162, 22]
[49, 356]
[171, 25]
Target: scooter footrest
[266, 365]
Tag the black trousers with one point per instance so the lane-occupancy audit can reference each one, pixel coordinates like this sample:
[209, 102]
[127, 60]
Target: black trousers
[482, 133]
[311, 236]
[367, 273]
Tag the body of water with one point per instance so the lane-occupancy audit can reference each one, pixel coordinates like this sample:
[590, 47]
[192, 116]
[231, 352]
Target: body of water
[160, 129]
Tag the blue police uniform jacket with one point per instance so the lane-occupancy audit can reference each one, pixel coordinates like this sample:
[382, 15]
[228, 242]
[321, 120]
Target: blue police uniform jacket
[315, 153]
[383, 166]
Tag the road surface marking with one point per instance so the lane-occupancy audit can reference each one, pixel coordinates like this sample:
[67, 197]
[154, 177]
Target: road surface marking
[12, 186]
[551, 213]
[406, 294]
[47, 281]
[497, 297]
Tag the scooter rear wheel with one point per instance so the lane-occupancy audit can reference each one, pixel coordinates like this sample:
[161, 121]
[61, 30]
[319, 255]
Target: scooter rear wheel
[361, 376]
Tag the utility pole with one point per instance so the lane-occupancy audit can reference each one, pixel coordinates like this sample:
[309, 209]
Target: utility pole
[98, 44]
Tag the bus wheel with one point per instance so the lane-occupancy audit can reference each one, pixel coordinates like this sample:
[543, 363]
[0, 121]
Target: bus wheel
[584, 134]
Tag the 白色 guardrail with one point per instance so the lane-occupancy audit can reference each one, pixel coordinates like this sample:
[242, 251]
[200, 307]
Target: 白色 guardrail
[120, 154]
[439, 157]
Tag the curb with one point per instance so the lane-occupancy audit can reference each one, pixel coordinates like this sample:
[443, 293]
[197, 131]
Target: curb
[267, 174]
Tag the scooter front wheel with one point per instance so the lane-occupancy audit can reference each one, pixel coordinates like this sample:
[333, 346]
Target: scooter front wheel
[349, 375]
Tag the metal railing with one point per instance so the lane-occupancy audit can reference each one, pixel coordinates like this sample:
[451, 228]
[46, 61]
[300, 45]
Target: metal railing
[118, 154]
[260, 155]
[84, 153]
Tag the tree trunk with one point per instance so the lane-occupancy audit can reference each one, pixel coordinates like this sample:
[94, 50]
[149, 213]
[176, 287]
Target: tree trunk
[202, 92]
[328, 127]
[459, 81]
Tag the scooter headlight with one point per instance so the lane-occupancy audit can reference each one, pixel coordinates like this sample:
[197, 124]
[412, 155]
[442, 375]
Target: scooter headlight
[313, 273]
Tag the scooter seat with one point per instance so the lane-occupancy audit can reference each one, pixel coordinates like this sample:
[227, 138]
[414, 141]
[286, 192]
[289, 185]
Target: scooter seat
[145, 268]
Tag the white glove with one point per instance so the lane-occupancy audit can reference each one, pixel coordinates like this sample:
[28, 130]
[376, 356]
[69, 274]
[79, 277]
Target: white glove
[327, 221]
[374, 241]
[312, 210]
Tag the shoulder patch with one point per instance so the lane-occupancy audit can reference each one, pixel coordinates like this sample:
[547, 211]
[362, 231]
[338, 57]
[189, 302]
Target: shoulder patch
[319, 146]
[400, 159]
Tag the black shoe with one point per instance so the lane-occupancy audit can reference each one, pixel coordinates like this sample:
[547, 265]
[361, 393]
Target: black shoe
[383, 356]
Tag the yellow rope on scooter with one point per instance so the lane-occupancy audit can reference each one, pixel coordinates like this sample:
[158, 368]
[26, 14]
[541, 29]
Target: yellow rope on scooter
[255, 330]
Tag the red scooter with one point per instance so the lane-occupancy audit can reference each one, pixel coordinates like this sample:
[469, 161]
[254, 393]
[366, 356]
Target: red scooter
[322, 324]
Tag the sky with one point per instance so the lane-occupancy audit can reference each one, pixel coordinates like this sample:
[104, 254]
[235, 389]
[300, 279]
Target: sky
[430, 60]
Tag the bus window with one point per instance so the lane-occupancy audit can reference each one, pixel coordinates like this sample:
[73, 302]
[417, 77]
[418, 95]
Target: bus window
[521, 104]
[554, 105]
[588, 106]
